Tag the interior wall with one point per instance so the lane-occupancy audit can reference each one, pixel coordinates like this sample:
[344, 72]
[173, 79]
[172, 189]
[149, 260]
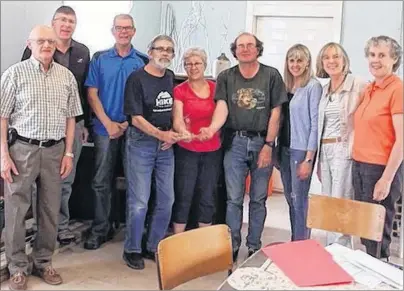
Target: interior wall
[17, 20]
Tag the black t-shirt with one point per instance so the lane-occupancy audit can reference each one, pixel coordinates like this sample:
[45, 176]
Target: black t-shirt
[250, 100]
[150, 97]
[284, 130]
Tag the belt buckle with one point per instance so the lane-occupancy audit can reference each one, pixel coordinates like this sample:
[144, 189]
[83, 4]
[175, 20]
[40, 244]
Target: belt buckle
[41, 143]
[241, 134]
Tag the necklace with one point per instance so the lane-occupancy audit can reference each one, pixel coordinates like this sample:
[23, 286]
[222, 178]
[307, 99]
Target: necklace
[330, 93]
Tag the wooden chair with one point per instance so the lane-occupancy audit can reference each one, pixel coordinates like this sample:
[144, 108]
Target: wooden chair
[193, 254]
[356, 218]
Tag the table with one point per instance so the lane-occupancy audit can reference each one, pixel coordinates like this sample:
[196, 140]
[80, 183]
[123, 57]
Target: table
[282, 282]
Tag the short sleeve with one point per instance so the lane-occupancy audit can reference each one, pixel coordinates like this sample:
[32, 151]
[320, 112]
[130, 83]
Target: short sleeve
[8, 94]
[221, 85]
[92, 79]
[396, 102]
[179, 93]
[277, 90]
[133, 100]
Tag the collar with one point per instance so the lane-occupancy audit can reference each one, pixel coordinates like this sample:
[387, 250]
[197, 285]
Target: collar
[387, 81]
[72, 45]
[114, 53]
[346, 86]
[38, 65]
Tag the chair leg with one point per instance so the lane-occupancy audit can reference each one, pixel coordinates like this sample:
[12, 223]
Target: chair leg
[379, 250]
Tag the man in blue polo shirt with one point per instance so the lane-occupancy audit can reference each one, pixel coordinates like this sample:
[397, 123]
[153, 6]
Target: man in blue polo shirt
[106, 85]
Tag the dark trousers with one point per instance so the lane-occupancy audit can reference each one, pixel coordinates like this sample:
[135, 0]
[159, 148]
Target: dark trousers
[196, 175]
[365, 177]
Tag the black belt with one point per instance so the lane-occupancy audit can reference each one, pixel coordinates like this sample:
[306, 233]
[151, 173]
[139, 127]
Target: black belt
[250, 133]
[40, 143]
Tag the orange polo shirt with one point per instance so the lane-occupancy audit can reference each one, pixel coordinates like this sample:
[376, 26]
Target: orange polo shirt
[373, 123]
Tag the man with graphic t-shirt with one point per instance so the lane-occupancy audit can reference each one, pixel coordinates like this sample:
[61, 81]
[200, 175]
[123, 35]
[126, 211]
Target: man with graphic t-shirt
[149, 139]
[248, 103]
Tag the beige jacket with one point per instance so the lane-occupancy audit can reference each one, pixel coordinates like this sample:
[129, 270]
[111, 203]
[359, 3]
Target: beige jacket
[350, 99]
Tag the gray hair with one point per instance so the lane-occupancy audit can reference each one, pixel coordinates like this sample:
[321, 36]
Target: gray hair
[197, 52]
[123, 16]
[158, 38]
[396, 50]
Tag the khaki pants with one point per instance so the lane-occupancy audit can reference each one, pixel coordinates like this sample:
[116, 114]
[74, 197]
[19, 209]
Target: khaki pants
[32, 162]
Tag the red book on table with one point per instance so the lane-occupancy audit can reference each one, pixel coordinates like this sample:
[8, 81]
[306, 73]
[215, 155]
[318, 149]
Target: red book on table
[307, 263]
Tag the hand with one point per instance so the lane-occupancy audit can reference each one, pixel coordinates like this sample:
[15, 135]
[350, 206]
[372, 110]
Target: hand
[124, 125]
[304, 170]
[319, 172]
[170, 137]
[66, 166]
[265, 157]
[205, 133]
[8, 166]
[186, 136]
[382, 189]
[114, 130]
[166, 146]
[84, 135]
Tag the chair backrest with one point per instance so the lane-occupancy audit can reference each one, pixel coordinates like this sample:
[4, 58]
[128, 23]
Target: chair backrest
[193, 254]
[346, 216]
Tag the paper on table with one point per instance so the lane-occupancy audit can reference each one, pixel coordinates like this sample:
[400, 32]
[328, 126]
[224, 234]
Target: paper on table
[306, 263]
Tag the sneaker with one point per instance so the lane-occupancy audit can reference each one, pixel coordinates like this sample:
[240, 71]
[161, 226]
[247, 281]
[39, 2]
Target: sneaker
[18, 281]
[66, 237]
[134, 260]
[251, 252]
[149, 255]
[49, 275]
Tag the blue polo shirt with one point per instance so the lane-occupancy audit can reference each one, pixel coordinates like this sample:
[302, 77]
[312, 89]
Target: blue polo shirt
[108, 73]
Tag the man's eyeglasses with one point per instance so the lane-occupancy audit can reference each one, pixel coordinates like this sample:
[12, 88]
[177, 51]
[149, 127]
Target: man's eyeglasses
[41, 41]
[123, 28]
[190, 65]
[161, 49]
[66, 20]
[249, 46]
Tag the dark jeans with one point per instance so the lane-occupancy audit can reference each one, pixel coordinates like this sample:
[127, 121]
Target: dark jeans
[296, 191]
[196, 175]
[106, 154]
[239, 159]
[365, 177]
[144, 156]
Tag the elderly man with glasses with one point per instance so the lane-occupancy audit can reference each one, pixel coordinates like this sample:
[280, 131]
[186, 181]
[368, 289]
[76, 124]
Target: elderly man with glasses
[39, 102]
[76, 57]
[106, 80]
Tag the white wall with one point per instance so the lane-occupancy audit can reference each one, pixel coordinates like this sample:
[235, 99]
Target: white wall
[17, 20]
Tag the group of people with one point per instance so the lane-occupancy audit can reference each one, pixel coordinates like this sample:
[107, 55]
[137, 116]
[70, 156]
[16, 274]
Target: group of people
[178, 138]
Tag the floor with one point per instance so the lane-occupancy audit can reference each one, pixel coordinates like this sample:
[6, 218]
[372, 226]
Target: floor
[104, 269]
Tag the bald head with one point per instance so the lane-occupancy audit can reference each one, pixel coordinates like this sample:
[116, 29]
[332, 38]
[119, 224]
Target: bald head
[42, 42]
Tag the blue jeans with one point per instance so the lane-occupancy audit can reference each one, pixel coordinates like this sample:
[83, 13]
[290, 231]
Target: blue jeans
[239, 159]
[144, 156]
[106, 154]
[296, 191]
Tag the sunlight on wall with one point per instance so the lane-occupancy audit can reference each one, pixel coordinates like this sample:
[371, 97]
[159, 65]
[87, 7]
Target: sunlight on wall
[94, 21]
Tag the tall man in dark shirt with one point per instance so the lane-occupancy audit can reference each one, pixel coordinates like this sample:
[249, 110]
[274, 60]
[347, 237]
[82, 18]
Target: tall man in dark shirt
[148, 104]
[249, 98]
[76, 57]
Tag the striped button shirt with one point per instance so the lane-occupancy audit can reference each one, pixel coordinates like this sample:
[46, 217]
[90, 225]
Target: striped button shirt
[37, 103]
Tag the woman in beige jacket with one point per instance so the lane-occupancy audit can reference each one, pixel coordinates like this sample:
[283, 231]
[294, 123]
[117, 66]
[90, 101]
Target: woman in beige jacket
[341, 97]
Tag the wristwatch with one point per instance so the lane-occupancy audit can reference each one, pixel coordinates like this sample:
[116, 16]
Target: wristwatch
[71, 155]
[271, 144]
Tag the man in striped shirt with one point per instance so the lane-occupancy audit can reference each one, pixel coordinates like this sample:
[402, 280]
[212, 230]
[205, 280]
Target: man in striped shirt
[39, 100]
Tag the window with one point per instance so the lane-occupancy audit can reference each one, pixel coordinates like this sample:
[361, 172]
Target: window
[94, 21]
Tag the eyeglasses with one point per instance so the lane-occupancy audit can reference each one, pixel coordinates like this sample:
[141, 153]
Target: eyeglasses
[66, 20]
[123, 28]
[190, 65]
[249, 46]
[41, 41]
[161, 49]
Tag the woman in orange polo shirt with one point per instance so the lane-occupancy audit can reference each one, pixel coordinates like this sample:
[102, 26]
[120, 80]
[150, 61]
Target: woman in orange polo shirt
[378, 142]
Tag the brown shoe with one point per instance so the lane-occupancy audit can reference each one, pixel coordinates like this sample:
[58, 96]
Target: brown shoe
[49, 275]
[18, 281]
